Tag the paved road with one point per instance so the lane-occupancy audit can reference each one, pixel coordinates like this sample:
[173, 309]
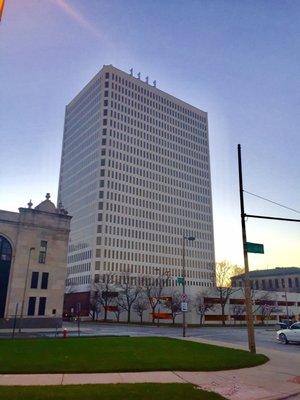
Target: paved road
[265, 337]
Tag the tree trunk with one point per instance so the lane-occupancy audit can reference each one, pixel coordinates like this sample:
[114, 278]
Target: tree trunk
[223, 314]
[201, 320]
[141, 318]
[153, 319]
[105, 312]
[128, 316]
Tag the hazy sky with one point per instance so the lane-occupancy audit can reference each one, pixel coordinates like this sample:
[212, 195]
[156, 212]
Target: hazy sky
[237, 60]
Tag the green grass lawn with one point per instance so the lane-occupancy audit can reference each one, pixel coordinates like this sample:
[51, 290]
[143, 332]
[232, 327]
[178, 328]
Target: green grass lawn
[118, 354]
[138, 391]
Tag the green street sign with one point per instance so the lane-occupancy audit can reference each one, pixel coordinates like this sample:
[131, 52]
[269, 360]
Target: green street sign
[255, 248]
[180, 280]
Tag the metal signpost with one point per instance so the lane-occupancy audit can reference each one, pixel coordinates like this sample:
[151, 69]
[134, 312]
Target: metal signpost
[78, 309]
[183, 308]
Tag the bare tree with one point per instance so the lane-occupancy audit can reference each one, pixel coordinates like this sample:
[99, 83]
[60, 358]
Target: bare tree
[154, 289]
[223, 272]
[129, 293]
[264, 304]
[117, 310]
[95, 304]
[104, 292]
[141, 305]
[237, 312]
[173, 303]
[202, 306]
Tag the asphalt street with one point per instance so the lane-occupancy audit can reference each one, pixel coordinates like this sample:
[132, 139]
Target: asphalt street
[265, 336]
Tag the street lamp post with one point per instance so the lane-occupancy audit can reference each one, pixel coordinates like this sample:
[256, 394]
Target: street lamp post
[25, 287]
[184, 238]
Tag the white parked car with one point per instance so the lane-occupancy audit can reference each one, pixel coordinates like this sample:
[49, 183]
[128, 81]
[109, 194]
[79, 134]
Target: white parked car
[291, 334]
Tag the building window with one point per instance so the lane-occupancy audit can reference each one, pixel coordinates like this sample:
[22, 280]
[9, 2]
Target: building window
[297, 282]
[42, 305]
[263, 284]
[31, 305]
[290, 282]
[34, 280]
[270, 284]
[96, 279]
[106, 75]
[44, 284]
[276, 284]
[282, 283]
[43, 251]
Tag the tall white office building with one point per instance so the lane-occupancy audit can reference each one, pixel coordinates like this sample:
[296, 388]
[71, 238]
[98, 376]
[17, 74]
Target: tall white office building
[135, 176]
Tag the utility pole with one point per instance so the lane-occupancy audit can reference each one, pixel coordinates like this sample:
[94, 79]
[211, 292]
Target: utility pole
[248, 302]
[258, 248]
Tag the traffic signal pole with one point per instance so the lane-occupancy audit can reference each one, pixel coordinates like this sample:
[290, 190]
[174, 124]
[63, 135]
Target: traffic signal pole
[248, 301]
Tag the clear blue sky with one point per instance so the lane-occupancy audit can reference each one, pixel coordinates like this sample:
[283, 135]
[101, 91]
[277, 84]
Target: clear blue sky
[237, 60]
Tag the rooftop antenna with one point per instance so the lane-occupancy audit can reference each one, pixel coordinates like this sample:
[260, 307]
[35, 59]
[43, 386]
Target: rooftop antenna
[147, 79]
[139, 75]
[131, 71]
[154, 83]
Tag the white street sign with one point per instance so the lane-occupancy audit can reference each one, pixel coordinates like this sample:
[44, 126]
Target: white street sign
[184, 306]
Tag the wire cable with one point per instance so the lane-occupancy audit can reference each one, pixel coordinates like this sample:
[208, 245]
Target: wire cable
[273, 202]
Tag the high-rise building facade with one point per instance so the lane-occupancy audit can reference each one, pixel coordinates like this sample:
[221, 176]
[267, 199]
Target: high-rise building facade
[135, 176]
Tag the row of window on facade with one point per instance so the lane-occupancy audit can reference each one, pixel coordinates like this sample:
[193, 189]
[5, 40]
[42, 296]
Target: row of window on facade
[154, 96]
[137, 280]
[273, 284]
[157, 140]
[32, 306]
[35, 280]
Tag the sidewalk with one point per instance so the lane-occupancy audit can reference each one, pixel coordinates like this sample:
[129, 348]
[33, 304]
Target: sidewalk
[277, 379]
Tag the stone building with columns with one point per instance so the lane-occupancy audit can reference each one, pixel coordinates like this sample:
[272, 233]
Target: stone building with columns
[33, 262]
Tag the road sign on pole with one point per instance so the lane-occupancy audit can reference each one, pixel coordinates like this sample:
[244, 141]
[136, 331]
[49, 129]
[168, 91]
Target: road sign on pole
[184, 297]
[254, 248]
[180, 280]
[184, 306]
